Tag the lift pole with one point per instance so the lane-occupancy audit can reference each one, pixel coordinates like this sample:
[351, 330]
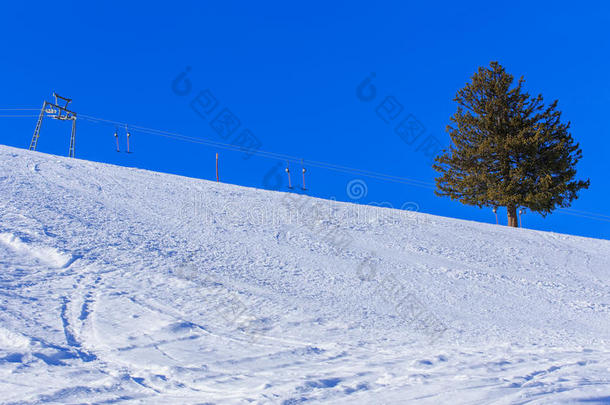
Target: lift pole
[34, 141]
[217, 178]
[72, 138]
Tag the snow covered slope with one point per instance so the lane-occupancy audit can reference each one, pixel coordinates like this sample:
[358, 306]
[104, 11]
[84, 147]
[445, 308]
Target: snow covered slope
[123, 285]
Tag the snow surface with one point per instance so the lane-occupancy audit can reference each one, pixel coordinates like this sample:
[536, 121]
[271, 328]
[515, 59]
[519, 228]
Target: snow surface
[124, 285]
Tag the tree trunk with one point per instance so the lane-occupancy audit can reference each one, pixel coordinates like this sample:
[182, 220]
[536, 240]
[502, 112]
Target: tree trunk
[511, 211]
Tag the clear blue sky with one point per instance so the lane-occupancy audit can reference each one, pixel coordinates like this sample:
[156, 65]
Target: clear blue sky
[290, 74]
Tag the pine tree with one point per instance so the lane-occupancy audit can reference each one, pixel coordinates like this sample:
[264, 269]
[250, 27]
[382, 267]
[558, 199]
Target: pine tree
[508, 149]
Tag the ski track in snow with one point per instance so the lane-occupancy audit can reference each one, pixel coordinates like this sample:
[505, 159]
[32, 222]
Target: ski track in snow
[120, 285]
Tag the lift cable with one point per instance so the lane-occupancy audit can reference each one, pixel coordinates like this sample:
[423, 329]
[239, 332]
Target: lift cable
[284, 157]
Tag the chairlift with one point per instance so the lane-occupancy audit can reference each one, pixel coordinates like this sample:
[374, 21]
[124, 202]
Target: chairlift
[303, 170]
[521, 212]
[128, 135]
[288, 173]
[116, 136]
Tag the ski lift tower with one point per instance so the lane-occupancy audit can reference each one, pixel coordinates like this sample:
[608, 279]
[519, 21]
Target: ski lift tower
[57, 112]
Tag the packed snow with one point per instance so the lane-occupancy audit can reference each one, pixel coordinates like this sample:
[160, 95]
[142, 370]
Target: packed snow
[119, 285]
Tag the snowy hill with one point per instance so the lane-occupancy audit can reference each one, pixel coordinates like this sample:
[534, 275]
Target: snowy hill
[123, 285]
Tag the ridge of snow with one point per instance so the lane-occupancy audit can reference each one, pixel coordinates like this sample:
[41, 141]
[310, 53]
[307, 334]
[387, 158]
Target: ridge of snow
[47, 255]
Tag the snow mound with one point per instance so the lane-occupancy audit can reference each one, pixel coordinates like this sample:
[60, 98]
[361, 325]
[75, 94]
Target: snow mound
[12, 340]
[47, 255]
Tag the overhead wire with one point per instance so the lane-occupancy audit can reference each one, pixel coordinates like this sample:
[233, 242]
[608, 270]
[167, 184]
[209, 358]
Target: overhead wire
[266, 154]
[284, 157]
[584, 214]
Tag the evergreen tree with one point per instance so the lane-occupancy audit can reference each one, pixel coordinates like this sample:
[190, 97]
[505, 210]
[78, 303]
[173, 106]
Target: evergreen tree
[508, 149]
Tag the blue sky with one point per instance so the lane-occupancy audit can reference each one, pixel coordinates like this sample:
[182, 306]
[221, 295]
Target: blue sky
[290, 75]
